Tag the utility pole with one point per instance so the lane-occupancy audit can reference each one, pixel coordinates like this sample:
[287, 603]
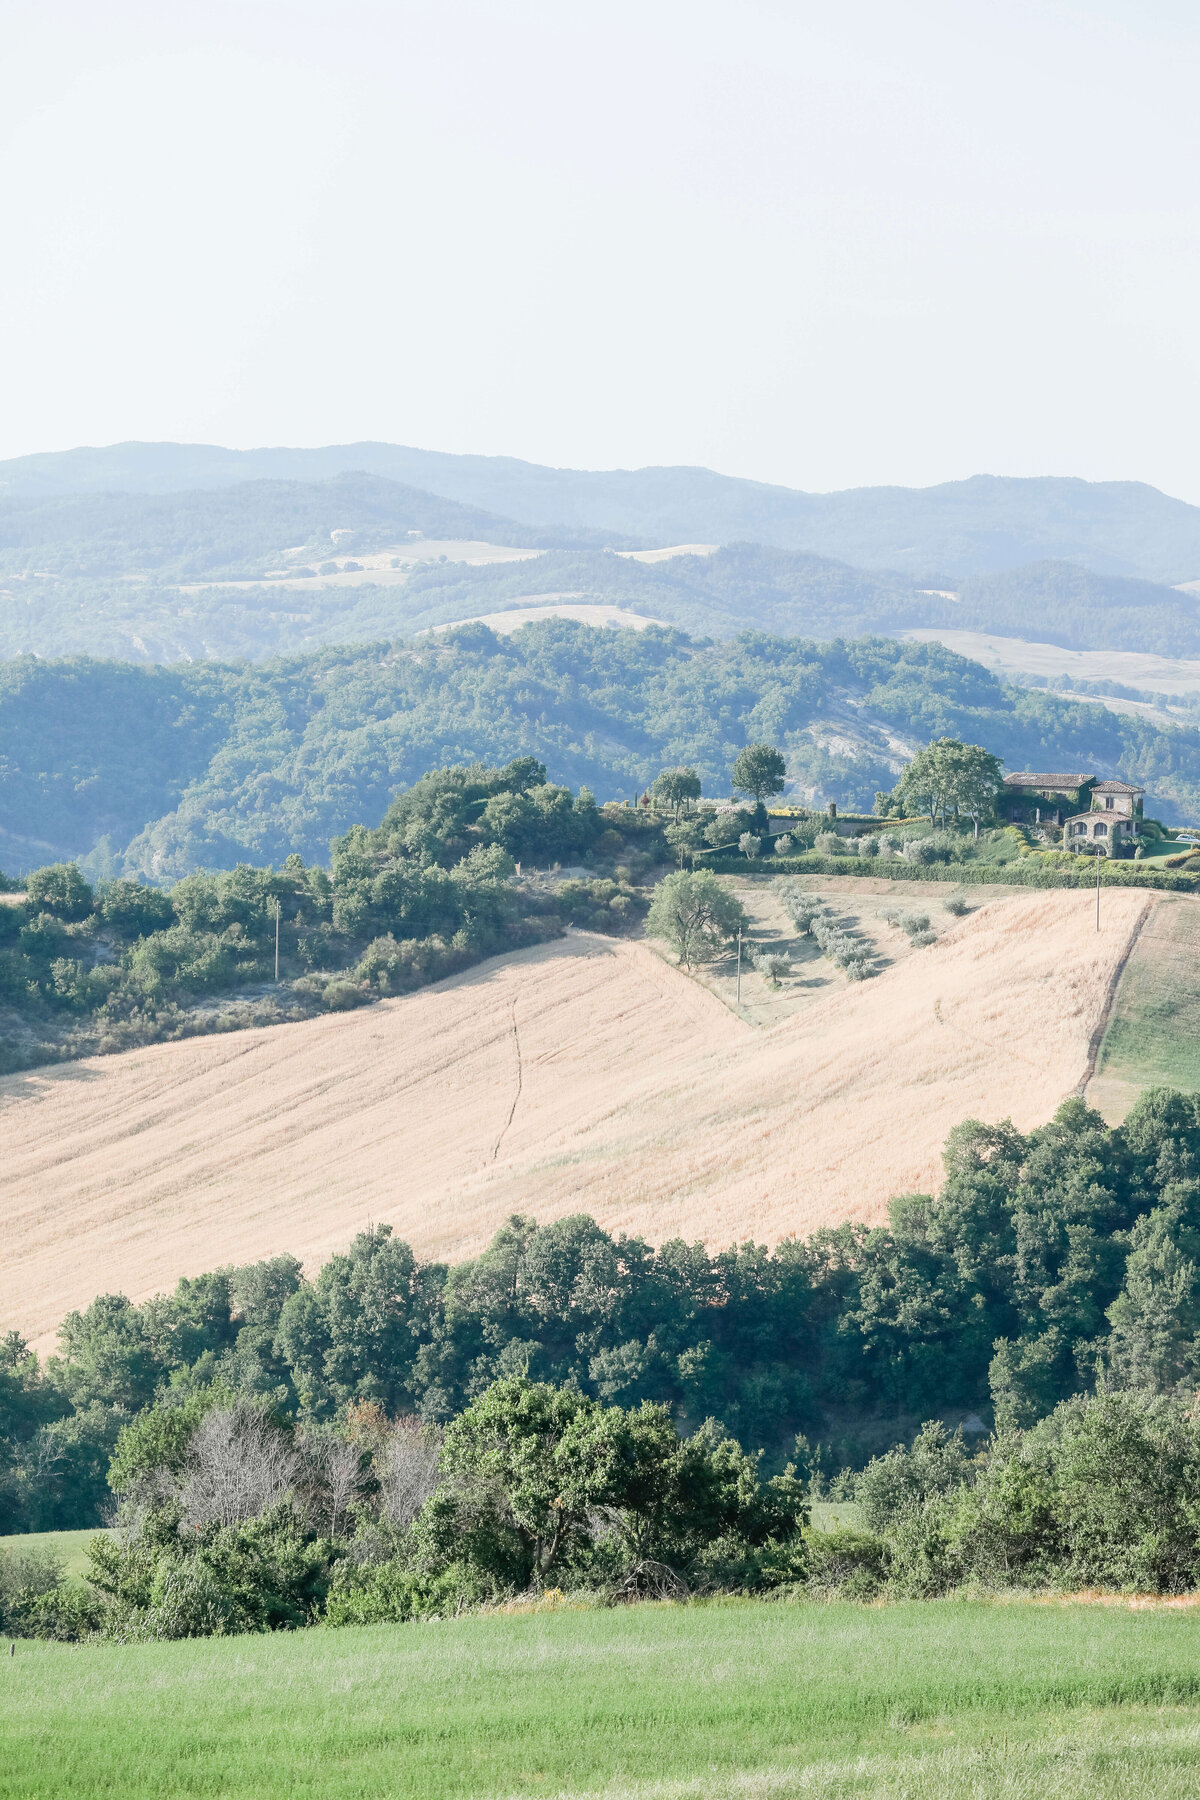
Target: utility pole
[1098, 861]
[739, 973]
[277, 911]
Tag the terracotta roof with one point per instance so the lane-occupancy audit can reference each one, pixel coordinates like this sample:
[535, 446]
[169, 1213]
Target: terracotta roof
[1117, 787]
[1027, 780]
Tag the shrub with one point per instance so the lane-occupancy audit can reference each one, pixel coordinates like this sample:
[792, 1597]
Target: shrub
[846, 1564]
[774, 966]
[920, 940]
[343, 996]
[957, 906]
[26, 1578]
[801, 906]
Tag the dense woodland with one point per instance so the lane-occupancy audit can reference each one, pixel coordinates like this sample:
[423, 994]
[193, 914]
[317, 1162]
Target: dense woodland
[73, 599]
[430, 890]
[160, 772]
[600, 1404]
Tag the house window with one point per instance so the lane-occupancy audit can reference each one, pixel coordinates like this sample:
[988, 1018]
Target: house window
[1109, 802]
[1102, 829]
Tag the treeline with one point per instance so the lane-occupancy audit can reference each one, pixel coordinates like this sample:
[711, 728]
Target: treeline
[1103, 1493]
[160, 772]
[394, 1440]
[429, 891]
[1049, 1263]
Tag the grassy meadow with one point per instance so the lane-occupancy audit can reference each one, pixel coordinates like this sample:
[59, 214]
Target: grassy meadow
[1153, 1037]
[740, 1698]
[70, 1547]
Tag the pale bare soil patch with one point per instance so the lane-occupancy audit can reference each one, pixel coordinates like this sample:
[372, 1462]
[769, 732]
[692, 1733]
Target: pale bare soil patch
[579, 1076]
[859, 901]
[665, 555]
[1021, 656]
[555, 606]
[376, 565]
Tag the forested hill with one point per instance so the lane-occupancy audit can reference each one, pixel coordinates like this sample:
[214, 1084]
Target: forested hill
[232, 532]
[146, 580]
[162, 771]
[748, 586]
[959, 527]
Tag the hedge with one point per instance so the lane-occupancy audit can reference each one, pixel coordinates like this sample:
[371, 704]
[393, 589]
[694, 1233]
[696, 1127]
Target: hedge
[1016, 874]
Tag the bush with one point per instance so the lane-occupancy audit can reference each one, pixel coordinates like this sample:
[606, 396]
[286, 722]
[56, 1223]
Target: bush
[393, 1592]
[956, 906]
[846, 1564]
[27, 1577]
[913, 922]
[343, 996]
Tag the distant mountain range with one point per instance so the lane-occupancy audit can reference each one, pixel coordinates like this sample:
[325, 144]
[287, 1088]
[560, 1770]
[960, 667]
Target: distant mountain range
[951, 532]
[239, 531]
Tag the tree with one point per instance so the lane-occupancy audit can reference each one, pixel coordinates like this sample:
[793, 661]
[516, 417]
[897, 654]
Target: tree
[758, 771]
[685, 837]
[677, 788]
[947, 776]
[60, 889]
[696, 915]
[975, 779]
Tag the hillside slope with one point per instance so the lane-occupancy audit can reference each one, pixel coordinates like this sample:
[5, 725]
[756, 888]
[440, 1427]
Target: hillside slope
[581, 1076]
[164, 771]
[958, 527]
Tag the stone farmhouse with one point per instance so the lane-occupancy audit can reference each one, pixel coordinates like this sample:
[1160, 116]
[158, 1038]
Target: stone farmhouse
[1101, 816]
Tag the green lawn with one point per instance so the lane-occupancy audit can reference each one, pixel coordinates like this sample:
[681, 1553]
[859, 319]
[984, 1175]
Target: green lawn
[1153, 1035]
[739, 1699]
[71, 1546]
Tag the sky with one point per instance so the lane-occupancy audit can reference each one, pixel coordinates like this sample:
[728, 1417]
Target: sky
[827, 246]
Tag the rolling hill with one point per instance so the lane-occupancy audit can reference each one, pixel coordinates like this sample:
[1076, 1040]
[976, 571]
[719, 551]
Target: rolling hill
[581, 1076]
[958, 528]
[162, 771]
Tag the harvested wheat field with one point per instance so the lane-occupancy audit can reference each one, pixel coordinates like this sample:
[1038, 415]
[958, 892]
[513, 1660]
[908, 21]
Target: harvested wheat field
[585, 1075]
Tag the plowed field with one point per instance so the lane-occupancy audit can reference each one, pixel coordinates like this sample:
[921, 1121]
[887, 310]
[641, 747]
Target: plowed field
[586, 1075]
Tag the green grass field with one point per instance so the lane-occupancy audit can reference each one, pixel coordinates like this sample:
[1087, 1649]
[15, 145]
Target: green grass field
[1153, 1035]
[737, 1699]
[70, 1546]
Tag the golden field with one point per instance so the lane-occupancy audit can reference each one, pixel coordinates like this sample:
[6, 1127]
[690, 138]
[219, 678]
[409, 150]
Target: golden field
[584, 1075]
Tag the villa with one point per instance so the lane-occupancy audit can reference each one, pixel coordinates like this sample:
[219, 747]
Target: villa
[1102, 816]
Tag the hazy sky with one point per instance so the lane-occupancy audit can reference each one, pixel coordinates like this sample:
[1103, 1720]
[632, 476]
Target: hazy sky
[819, 244]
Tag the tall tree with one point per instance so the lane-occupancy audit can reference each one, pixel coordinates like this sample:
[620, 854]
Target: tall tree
[760, 772]
[947, 776]
[677, 788]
